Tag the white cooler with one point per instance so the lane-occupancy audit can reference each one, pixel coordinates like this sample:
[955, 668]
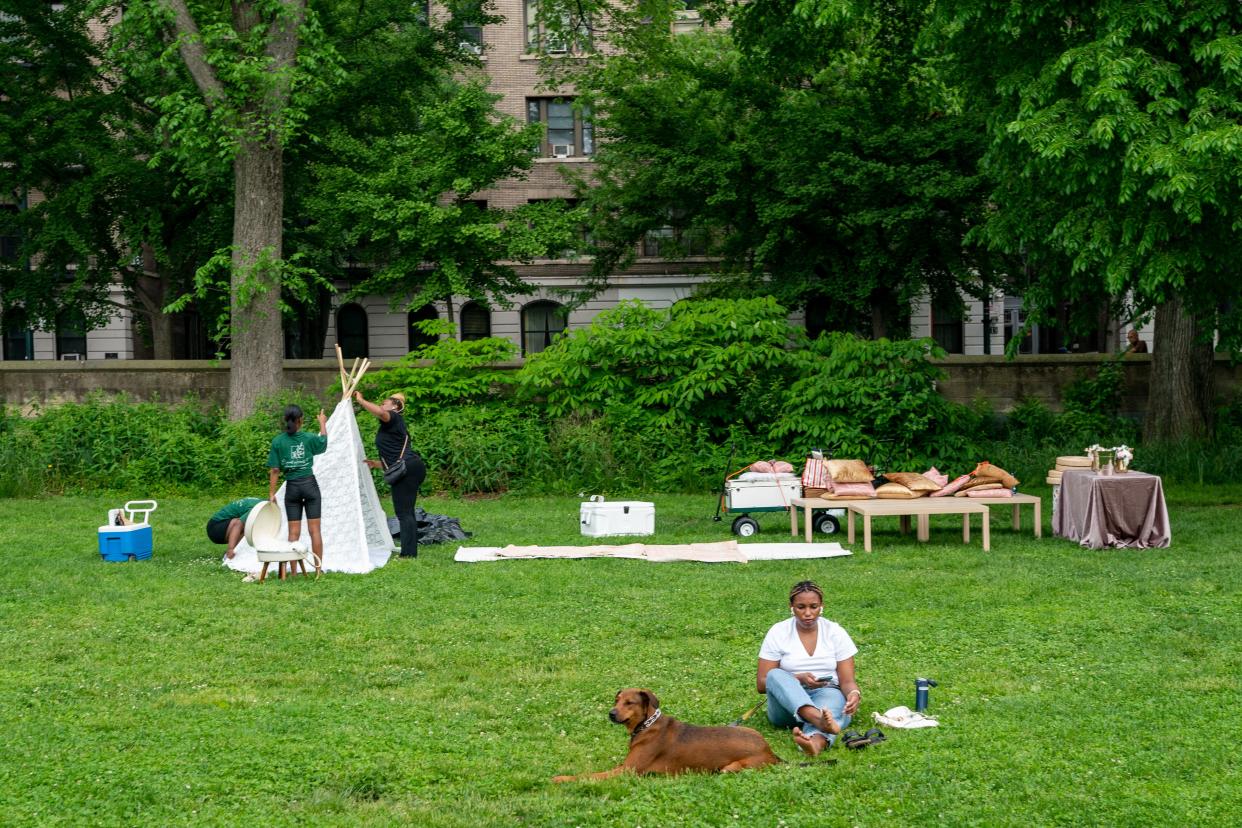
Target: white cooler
[618, 517]
[761, 495]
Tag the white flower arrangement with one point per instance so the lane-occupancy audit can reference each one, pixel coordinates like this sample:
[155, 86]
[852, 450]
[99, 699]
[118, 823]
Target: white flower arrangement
[1124, 453]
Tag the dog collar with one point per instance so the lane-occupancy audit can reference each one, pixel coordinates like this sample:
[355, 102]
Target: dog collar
[646, 724]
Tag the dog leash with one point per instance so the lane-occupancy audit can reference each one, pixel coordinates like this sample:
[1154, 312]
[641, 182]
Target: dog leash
[749, 713]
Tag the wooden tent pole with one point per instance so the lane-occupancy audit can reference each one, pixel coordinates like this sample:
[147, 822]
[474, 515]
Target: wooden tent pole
[340, 361]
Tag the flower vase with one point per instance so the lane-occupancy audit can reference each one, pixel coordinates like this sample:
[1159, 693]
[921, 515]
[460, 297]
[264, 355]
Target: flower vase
[1121, 465]
[1106, 460]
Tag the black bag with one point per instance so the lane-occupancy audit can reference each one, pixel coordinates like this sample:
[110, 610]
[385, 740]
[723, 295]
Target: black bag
[393, 473]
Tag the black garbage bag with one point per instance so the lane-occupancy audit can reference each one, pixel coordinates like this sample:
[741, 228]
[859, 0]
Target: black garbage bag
[431, 528]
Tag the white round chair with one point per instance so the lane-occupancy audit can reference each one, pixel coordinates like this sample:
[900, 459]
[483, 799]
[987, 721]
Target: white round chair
[263, 533]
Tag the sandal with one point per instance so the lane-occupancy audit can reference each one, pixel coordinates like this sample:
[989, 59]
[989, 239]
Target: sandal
[853, 740]
[874, 736]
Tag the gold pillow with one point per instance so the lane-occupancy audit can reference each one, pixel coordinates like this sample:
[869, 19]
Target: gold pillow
[895, 491]
[849, 471]
[987, 471]
[913, 481]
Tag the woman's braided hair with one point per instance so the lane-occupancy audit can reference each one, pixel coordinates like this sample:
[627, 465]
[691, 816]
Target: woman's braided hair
[806, 586]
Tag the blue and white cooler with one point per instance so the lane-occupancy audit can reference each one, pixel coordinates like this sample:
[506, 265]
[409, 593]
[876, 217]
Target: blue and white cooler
[132, 540]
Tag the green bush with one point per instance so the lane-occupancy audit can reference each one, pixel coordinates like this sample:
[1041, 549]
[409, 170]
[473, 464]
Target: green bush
[875, 399]
[641, 400]
[480, 448]
[713, 363]
[445, 373]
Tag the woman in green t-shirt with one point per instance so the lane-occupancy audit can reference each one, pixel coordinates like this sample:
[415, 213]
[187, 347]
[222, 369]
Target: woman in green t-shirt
[292, 454]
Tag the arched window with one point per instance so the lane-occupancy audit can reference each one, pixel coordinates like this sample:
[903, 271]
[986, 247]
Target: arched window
[418, 339]
[351, 331]
[541, 323]
[476, 322]
[70, 334]
[18, 338]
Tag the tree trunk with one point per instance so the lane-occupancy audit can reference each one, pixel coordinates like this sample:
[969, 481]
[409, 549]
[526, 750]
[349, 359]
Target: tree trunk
[257, 347]
[150, 290]
[1181, 388]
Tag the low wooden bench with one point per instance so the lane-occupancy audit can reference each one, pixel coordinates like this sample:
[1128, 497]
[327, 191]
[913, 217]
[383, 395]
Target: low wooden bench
[1016, 502]
[808, 505]
[921, 508]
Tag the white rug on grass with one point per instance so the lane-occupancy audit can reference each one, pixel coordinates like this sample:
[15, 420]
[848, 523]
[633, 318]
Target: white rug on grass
[353, 523]
[720, 552]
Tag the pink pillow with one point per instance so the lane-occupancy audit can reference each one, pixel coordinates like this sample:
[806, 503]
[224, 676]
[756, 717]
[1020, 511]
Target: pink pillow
[936, 476]
[952, 487]
[853, 490]
[762, 466]
[989, 493]
[781, 467]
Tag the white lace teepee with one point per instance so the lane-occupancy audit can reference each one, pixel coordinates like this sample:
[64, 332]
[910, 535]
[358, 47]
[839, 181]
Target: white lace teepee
[353, 523]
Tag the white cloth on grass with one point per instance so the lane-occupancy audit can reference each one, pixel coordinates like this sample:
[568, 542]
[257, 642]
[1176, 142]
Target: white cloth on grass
[352, 521]
[832, 644]
[725, 552]
[904, 718]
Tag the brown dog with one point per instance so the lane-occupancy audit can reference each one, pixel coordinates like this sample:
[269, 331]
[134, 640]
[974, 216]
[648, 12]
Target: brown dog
[661, 744]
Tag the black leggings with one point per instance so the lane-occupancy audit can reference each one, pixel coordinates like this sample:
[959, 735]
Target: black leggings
[404, 494]
[299, 493]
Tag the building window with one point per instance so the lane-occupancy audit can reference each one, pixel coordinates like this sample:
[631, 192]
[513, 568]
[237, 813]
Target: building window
[70, 334]
[351, 331]
[476, 322]
[471, 29]
[418, 337]
[18, 338]
[561, 39]
[948, 326]
[10, 241]
[542, 322]
[670, 241]
[567, 129]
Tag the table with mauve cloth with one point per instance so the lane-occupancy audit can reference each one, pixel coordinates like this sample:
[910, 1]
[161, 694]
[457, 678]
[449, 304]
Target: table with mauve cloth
[1115, 510]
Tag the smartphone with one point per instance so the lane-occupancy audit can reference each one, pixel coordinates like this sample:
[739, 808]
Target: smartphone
[823, 678]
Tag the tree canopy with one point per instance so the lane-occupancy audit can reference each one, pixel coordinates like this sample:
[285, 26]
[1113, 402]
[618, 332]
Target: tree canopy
[87, 213]
[820, 160]
[1115, 148]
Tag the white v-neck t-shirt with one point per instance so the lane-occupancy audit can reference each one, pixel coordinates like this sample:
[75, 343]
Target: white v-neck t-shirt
[832, 644]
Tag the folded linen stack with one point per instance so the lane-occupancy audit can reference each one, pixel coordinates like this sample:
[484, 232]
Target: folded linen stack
[1064, 464]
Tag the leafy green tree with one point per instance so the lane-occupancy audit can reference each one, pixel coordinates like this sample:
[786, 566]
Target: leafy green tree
[1114, 145]
[96, 216]
[819, 160]
[349, 113]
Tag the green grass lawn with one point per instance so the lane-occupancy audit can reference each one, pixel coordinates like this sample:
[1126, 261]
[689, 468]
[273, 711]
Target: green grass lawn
[1076, 687]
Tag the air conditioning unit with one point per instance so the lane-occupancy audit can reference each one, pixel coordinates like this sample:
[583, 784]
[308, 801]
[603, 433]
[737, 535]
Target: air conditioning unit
[73, 357]
[562, 150]
[471, 47]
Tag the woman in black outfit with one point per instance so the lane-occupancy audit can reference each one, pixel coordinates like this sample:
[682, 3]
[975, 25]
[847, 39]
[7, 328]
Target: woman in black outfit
[392, 441]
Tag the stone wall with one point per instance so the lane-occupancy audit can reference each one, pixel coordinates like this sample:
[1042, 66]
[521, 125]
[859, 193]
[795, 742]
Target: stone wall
[1000, 382]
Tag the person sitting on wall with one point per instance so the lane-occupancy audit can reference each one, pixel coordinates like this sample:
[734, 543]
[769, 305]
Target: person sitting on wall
[229, 524]
[1137, 346]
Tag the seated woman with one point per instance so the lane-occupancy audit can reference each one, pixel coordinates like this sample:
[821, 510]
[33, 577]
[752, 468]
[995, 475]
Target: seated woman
[806, 667]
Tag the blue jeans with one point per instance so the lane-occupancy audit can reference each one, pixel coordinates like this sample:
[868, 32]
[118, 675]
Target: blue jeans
[786, 696]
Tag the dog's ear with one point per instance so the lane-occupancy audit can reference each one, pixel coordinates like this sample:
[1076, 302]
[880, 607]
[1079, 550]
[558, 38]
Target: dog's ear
[650, 703]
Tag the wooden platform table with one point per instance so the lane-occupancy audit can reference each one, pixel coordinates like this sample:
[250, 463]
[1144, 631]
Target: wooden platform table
[1017, 502]
[921, 508]
[807, 505]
